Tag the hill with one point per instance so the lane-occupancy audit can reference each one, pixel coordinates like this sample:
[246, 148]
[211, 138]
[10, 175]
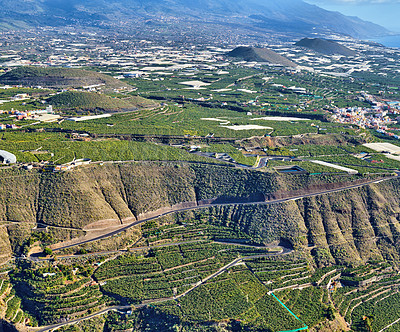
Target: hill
[114, 193]
[90, 101]
[294, 16]
[185, 257]
[59, 78]
[261, 55]
[324, 46]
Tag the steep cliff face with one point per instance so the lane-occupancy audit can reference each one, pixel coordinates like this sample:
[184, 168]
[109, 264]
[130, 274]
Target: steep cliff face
[76, 199]
[5, 245]
[86, 195]
[350, 226]
[19, 192]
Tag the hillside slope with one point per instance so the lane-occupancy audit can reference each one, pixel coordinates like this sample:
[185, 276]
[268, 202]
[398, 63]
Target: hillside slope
[128, 190]
[264, 55]
[295, 16]
[324, 46]
[348, 227]
[91, 101]
[345, 227]
[59, 78]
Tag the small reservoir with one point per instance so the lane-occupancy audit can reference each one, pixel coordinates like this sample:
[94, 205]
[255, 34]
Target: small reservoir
[290, 169]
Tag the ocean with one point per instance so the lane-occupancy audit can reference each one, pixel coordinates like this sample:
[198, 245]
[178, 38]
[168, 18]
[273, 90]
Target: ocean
[389, 41]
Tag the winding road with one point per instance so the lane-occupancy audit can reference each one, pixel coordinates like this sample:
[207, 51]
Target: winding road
[284, 251]
[203, 206]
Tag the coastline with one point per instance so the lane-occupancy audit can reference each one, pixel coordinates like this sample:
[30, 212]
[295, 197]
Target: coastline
[388, 41]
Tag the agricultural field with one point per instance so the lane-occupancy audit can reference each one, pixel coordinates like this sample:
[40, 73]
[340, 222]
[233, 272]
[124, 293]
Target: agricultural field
[168, 135]
[194, 120]
[242, 86]
[51, 294]
[221, 115]
[192, 230]
[60, 148]
[178, 275]
[197, 261]
[191, 272]
[368, 292]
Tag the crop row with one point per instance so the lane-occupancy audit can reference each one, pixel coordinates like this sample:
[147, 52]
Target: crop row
[306, 303]
[275, 317]
[384, 310]
[13, 305]
[4, 286]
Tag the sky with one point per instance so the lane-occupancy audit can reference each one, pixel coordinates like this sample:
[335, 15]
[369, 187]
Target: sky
[383, 12]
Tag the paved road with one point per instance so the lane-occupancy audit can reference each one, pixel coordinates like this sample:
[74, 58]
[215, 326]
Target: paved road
[75, 321]
[37, 256]
[284, 251]
[274, 201]
[262, 161]
[390, 325]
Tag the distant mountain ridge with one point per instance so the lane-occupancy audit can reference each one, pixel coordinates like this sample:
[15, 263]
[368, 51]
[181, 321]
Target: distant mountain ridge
[324, 46]
[273, 15]
[261, 55]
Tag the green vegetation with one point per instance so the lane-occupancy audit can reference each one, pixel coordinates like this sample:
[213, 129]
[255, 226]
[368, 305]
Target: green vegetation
[12, 306]
[58, 78]
[307, 303]
[173, 277]
[51, 294]
[170, 271]
[308, 166]
[95, 101]
[233, 153]
[47, 251]
[59, 149]
[191, 120]
[180, 267]
[193, 230]
[373, 306]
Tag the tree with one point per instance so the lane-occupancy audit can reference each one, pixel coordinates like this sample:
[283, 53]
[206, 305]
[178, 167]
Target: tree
[368, 320]
[82, 252]
[47, 251]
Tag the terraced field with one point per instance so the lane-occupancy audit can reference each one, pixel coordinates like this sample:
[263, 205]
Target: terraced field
[194, 272]
[167, 272]
[57, 294]
[370, 291]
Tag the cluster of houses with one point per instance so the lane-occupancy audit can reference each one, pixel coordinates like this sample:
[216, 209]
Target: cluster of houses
[44, 115]
[376, 117]
[66, 167]
[8, 126]
[362, 117]
[33, 114]
[17, 97]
